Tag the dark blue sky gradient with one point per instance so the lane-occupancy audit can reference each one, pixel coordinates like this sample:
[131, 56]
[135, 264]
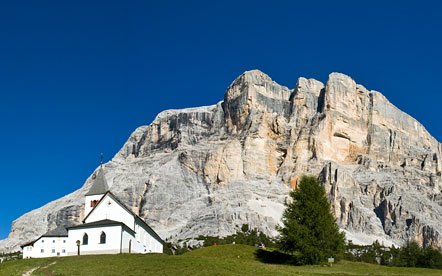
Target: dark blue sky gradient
[77, 77]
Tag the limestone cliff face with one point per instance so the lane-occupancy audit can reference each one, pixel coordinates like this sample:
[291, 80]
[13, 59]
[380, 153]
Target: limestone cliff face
[208, 170]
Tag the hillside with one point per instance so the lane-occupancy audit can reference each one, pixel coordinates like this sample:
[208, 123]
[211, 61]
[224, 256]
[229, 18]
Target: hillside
[209, 170]
[219, 260]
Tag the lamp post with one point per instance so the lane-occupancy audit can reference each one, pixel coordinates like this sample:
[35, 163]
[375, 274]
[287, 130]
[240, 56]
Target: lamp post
[78, 248]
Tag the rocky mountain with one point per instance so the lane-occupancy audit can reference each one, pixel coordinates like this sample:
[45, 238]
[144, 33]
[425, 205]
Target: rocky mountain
[209, 170]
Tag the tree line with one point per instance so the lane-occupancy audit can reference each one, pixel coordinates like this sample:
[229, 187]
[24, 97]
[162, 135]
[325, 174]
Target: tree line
[10, 256]
[410, 255]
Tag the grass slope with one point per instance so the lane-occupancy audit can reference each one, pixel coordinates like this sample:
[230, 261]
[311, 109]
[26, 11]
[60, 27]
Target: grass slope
[219, 260]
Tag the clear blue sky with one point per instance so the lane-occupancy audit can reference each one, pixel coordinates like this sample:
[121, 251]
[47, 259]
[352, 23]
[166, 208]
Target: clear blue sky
[77, 77]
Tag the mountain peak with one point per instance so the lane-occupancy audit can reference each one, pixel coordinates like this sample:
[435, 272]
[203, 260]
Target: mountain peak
[209, 170]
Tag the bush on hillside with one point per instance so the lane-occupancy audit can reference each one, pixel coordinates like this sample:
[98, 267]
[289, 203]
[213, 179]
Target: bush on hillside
[174, 249]
[245, 236]
[374, 254]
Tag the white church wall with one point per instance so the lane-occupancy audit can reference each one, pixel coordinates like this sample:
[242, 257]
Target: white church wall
[27, 251]
[112, 245]
[113, 210]
[87, 203]
[129, 237]
[46, 247]
[138, 247]
[147, 238]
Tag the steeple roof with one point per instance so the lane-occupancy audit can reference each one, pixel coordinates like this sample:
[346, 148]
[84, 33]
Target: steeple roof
[99, 185]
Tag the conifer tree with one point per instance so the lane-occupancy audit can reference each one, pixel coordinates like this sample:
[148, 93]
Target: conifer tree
[410, 254]
[309, 228]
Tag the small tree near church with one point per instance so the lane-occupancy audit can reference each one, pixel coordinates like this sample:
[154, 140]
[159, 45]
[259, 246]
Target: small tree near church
[309, 229]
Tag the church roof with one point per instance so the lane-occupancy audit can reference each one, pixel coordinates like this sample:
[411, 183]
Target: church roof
[129, 210]
[28, 244]
[99, 185]
[60, 231]
[104, 222]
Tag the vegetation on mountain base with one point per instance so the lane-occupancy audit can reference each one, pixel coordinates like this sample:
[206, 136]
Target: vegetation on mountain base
[212, 260]
[245, 236]
[10, 256]
[410, 255]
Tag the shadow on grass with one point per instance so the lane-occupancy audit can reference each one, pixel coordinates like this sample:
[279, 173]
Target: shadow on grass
[275, 257]
[46, 272]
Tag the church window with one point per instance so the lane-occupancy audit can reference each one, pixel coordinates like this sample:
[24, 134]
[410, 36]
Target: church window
[53, 250]
[53, 241]
[94, 203]
[42, 250]
[103, 237]
[64, 241]
[85, 239]
[63, 251]
[42, 241]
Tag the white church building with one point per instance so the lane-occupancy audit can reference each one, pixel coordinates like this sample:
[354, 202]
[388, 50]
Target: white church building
[109, 227]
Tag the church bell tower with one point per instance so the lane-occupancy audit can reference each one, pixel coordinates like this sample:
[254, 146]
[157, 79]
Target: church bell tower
[98, 189]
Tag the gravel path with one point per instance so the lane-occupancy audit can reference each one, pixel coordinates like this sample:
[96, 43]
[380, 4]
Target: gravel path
[29, 272]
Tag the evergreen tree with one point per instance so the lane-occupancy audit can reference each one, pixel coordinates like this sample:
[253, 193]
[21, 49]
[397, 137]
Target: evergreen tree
[309, 228]
[431, 258]
[395, 254]
[410, 254]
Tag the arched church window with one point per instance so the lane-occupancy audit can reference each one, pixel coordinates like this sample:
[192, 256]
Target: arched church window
[85, 239]
[103, 237]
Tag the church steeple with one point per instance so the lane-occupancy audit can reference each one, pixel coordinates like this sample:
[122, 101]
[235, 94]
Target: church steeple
[97, 190]
[99, 187]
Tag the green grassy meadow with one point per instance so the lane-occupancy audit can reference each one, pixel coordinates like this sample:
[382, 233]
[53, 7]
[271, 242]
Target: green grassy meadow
[219, 260]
